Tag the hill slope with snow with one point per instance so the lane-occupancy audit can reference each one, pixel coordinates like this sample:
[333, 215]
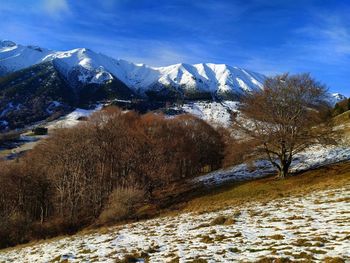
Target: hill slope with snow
[309, 228]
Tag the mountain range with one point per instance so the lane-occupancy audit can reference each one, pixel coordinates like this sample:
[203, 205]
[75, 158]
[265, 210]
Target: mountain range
[37, 83]
[83, 66]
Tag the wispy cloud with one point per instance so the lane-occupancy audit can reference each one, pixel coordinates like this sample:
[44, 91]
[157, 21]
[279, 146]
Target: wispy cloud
[56, 8]
[329, 39]
[267, 36]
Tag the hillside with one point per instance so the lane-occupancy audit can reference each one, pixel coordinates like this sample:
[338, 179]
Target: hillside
[232, 224]
[198, 213]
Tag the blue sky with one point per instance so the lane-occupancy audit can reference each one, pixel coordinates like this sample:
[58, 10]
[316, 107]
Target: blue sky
[267, 36]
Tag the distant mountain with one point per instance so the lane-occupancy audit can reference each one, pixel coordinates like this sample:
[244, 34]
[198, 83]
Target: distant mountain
[83, 66]
[37, 83]
[336, 97]
[40, 91]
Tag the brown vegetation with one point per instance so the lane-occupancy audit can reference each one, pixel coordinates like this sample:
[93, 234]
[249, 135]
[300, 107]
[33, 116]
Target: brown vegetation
[341, 107]
[101, 171]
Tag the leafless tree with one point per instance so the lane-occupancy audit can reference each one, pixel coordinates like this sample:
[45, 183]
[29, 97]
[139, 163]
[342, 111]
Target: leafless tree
[108, 166]
[287, 116]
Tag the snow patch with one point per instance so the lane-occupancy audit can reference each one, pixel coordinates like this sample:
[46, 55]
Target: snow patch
[72, 118]
[313, 157]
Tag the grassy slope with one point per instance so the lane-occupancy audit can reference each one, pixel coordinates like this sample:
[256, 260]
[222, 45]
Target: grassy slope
[266, 189]
[343, 120]
[240, 194]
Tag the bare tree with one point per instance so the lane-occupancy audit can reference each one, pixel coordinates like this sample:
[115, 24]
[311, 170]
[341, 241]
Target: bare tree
[108, 166]
[288, 115]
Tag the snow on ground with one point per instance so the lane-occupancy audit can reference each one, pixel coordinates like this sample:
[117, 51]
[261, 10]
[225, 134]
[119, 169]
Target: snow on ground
[216, 113]
[311, 227]
[72, 118]
[313, 157]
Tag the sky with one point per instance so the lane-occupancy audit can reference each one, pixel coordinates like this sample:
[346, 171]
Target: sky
[266, 36]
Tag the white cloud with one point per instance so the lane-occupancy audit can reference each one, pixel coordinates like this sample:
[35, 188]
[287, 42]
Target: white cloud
[56, 8]
[328, 40]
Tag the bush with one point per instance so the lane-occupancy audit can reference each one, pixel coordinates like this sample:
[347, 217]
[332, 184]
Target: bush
[222, 220]
[122, 204]
[40, 131]
[133, 258]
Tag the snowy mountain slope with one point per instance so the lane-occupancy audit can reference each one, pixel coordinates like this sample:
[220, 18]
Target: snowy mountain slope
[14, 57]
[218, 113]
[311, 158]
[215, 113]
[90, 77]
[40, 92]
[335, 98]
[84, 66]
[90, 67]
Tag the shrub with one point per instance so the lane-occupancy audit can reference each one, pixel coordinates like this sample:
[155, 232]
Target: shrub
[222, 220]
[40, 131]
[122, 204]
[133, 258]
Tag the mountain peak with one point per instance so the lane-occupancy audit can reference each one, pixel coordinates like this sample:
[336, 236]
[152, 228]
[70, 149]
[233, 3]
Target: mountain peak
[7, 43]
[89, 66]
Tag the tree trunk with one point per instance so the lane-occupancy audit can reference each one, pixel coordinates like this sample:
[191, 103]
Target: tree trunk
[283, 171]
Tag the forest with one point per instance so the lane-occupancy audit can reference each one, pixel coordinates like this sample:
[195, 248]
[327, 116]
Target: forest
[101, 171]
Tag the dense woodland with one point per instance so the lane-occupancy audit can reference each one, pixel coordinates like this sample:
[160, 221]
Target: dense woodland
[101, 171]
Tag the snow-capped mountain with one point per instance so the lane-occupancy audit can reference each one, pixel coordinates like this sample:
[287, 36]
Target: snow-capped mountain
[82, 66]
[335, 98]
[38, 83]
[14, 57]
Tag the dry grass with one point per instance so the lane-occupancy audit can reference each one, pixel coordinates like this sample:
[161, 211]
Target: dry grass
[343, 118]
[267, 189]
[133, 258]
[222, 220]
[274, 260]
[277, 237]
[334, 260]
[198, 260]
[344, 121]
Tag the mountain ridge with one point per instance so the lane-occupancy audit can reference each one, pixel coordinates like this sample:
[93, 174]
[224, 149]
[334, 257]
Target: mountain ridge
[99, 69]
[38, 83]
